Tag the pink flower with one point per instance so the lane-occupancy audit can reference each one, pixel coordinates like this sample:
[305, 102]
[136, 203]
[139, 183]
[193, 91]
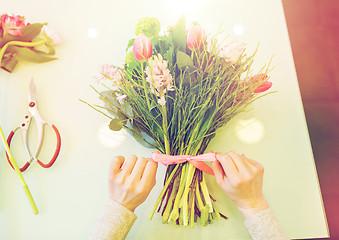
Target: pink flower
[52, 34]
[195, 37]
[263, 87]
[12, 24]
[112, 73]
[142, 48]
[120, 98]
[257, 79]
[158, 75]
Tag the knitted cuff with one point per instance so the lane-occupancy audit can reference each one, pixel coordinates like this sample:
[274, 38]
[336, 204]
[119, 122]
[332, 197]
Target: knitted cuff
[264, 226]
[114, 222]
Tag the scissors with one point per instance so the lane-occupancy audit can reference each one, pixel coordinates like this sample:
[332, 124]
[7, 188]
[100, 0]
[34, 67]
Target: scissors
[40, 122]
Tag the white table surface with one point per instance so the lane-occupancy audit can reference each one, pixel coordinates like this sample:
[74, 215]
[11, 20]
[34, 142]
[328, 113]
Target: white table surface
[71, 193]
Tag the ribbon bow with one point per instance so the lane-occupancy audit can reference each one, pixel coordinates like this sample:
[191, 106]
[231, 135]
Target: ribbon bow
[196, 161]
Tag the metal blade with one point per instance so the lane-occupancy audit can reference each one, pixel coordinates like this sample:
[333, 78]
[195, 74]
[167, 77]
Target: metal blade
[32, 92]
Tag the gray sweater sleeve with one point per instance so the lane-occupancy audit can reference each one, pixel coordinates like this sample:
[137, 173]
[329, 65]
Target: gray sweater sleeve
[114, 222]
[264, 226]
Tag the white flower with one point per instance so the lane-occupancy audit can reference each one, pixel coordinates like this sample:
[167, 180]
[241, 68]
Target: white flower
[162, 101]
[231, 50]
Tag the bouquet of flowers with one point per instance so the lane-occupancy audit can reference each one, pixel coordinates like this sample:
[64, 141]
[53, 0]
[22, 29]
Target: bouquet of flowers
[19, 40]
[172, 94]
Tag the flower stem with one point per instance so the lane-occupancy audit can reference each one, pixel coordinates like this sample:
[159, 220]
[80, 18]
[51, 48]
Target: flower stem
[165, 125]
[175, 212]
[184, 199]
[206, 194]
[144, 82]
[165, 217]
[163, 190]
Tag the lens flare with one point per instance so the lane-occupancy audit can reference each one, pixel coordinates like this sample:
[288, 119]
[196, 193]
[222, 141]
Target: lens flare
[250, 131]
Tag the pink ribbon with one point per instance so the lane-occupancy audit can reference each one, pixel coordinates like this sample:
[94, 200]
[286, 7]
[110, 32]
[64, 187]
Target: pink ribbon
[196, 161]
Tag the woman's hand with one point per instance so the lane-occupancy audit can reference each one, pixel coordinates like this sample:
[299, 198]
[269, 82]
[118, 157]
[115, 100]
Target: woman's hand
[131, 180]
[241, 178]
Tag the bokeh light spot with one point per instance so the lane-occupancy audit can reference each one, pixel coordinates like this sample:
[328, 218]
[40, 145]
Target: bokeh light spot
[250, 130]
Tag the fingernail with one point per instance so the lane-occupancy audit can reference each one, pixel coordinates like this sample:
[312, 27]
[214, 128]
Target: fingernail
[243, 155]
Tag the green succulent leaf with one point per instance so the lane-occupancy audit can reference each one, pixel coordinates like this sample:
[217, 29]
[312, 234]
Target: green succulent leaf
[122, 116]
[115, 124]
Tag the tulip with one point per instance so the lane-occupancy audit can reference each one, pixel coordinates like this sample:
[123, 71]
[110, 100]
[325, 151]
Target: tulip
[195, 37]
[263, 87]
[142, 48]
[260, 78]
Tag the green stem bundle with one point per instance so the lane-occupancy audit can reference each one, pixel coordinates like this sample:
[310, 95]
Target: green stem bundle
[186, 198]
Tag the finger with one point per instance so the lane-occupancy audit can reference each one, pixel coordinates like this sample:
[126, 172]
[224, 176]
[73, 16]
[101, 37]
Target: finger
[129, 165]
[255, 165]
[250, 161]
[139, 168]
[239, 162]
[148, 176]
[116, 164]
[227, 165]
[218, 172]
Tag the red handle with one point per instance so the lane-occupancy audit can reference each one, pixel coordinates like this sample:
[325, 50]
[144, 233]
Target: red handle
[56, 153]
[9, 140]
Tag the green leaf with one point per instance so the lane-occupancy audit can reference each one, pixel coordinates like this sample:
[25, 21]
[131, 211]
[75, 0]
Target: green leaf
[31, 55]
[183, 60]
[164, 45]
[51, 50]
[115, 124]
[30, 32]
[143, 141]
[130, 43]
[5, 39]
[189, 76]
[130, 61]
[121, 115]
[140, 136]
[179, 35]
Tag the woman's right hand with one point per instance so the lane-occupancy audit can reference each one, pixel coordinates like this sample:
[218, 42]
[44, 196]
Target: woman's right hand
[241, 178]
